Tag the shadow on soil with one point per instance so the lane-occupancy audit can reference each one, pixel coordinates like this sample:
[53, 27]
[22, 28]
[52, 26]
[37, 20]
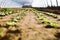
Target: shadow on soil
[57, 36]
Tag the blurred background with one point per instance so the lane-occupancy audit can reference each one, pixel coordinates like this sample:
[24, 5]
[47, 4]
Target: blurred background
[32, 3]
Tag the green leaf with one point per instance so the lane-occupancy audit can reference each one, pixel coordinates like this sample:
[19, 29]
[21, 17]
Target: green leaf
[10, 12]
[10, 23]
[41, 17]
[53, 24]
[18, 17]
[45, 20]
[15, 20]
[2, 14]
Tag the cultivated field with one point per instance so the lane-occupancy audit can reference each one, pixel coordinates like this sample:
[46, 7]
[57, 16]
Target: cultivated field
[28, 24]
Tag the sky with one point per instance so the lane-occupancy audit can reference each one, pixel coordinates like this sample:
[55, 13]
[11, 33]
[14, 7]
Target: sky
[44, 3]
[33, 3]
[9, 4]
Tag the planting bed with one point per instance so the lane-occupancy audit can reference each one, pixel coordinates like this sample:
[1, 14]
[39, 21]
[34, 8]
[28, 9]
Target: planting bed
[28, 24]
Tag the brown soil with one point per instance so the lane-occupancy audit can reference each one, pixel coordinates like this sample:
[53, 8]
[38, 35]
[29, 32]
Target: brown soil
[29, 29]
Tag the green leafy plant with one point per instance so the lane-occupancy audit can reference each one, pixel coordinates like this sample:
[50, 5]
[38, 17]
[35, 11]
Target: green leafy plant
[41, 17]
[45, 20]
[15, 20]
[54, 15]
[54, 24]
[2, 14]
[18, 17]
[5, 11]
[10, 23]
[51, 14]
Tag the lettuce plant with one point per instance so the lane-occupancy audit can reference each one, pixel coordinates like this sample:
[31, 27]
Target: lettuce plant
[10, 23]
[2, 14]
[15, 20]
[54, 24]
[45, 20]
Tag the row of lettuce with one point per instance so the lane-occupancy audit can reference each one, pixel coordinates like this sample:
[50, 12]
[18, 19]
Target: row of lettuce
[13, 21]
[17, 18]
[46, 20]
[40, 16]
[8, 11]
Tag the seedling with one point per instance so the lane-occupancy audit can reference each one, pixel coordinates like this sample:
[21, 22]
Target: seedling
[51, 14]
[54, 24]
[15, 20]
[45, 20]
[10, 23]
[2, 14]
[41, 17]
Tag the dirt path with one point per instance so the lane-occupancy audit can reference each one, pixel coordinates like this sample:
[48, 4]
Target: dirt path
[29, 29]
[28, 21]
